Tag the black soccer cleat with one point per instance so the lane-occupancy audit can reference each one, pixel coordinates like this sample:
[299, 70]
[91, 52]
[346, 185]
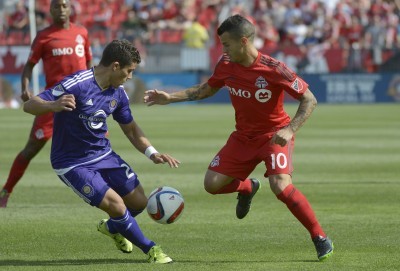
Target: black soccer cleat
[244, 201]
[324, 247]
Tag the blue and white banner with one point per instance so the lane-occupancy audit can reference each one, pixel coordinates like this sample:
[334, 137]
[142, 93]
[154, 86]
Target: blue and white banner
[328, 88]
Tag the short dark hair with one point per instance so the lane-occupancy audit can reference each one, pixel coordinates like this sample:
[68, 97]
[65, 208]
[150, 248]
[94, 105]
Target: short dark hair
[121, 51]
[238, 26]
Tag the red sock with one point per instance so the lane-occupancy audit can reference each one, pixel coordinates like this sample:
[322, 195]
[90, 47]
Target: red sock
[17, 171]
[301, 209]
[241, 186]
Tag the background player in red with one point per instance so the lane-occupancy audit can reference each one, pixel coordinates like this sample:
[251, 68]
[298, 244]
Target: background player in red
[264, 131]
[64, 48]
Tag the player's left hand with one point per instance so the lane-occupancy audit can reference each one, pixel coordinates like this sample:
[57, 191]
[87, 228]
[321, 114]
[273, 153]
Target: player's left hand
[154, 96]
[283, 136]
[162, 158]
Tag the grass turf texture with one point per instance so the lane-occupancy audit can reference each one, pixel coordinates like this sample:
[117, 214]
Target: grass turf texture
[346, 162]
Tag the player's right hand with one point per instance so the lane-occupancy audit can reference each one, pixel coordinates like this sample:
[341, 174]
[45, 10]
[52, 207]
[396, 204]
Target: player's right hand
[26, 95]
[65, 102]
[154, 96]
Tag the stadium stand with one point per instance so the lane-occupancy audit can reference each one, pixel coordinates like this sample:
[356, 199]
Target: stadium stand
[352, 35]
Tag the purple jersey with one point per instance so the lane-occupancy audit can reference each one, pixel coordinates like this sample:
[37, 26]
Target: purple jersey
[79, 136]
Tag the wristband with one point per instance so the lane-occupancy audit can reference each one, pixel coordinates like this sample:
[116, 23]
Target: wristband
[150, 151]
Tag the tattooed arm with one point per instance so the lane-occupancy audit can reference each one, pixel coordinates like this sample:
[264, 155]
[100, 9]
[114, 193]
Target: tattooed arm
[307, 104]
[197, 92]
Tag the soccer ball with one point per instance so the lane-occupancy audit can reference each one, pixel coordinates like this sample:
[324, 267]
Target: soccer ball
[165, 205]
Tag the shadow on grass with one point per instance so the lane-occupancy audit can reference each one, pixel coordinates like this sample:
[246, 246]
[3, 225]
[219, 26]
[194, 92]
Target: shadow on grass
[83, 262]
[66, 262]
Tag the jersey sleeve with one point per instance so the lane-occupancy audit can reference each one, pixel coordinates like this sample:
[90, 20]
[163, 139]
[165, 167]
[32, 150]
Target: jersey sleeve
[122, 114]
[291, 83]
[53, 93]
[217, 78]
[56, 91]
[88, 50]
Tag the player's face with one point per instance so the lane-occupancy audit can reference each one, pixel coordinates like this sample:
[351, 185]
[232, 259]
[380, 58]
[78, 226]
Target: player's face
[121, 75]
[60, 10]
[233, 47]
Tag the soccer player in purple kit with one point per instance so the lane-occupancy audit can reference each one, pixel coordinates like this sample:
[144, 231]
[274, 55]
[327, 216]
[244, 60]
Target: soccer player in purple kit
[82, 156]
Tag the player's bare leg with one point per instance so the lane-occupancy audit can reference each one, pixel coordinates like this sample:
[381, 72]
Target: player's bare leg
[217, 183]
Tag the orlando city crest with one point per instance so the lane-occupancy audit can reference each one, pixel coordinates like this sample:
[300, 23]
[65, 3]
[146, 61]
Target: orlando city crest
[113, 104]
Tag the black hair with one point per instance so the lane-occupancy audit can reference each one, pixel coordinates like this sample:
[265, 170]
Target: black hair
[121, 51]
[238, 26]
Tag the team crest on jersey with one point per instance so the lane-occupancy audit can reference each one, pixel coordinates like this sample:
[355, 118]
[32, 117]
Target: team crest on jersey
[297, 85]
[88, 190]
[215, 161]
[261, 82]
[79, 39]
[79, 48]
[113, 104]
[57, 90]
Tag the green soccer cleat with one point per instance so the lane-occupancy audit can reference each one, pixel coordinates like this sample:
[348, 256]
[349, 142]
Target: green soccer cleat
[4, 195]
[244, 200]
[324, 247]
[121, 242]
[156, 255]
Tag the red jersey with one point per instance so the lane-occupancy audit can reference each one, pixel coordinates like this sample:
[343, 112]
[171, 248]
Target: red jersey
[257, 92]
[63, 51]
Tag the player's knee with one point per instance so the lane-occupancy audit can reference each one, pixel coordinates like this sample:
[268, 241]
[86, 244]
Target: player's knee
[119, 210]
[279, 182]
[210, 188]
[115, 208]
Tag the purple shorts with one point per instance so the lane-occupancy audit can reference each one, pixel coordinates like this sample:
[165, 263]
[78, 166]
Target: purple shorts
[91, 181]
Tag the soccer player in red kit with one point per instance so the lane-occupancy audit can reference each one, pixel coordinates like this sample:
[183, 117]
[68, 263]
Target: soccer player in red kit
[64, 48]
[264, 131]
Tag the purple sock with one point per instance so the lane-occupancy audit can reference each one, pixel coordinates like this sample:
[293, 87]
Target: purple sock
[110, 225]
[126, 225]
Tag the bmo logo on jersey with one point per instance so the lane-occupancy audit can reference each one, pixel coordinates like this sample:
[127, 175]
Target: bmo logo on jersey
[63, 51]
[262, 95]
[79, 49]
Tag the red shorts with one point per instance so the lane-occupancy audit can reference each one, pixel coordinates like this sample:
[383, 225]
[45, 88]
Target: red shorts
[240, 156]
[42, 128]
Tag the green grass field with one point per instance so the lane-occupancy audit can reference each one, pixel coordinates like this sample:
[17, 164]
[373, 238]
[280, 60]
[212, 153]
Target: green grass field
[347, 162]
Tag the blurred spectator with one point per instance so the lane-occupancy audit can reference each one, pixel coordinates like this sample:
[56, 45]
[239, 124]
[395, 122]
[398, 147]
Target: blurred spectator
[268, 34]
[195, 36]
[355, 28]
[76, 10]
[102, 20]
[7, 96]
[41, 20]
[19, 19]
[297, 31]
[375, 38]
[134, 27]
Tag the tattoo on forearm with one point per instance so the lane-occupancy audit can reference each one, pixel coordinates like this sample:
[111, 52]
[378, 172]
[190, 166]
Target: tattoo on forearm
[198, 92]
[193, 93]
[303, 113]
